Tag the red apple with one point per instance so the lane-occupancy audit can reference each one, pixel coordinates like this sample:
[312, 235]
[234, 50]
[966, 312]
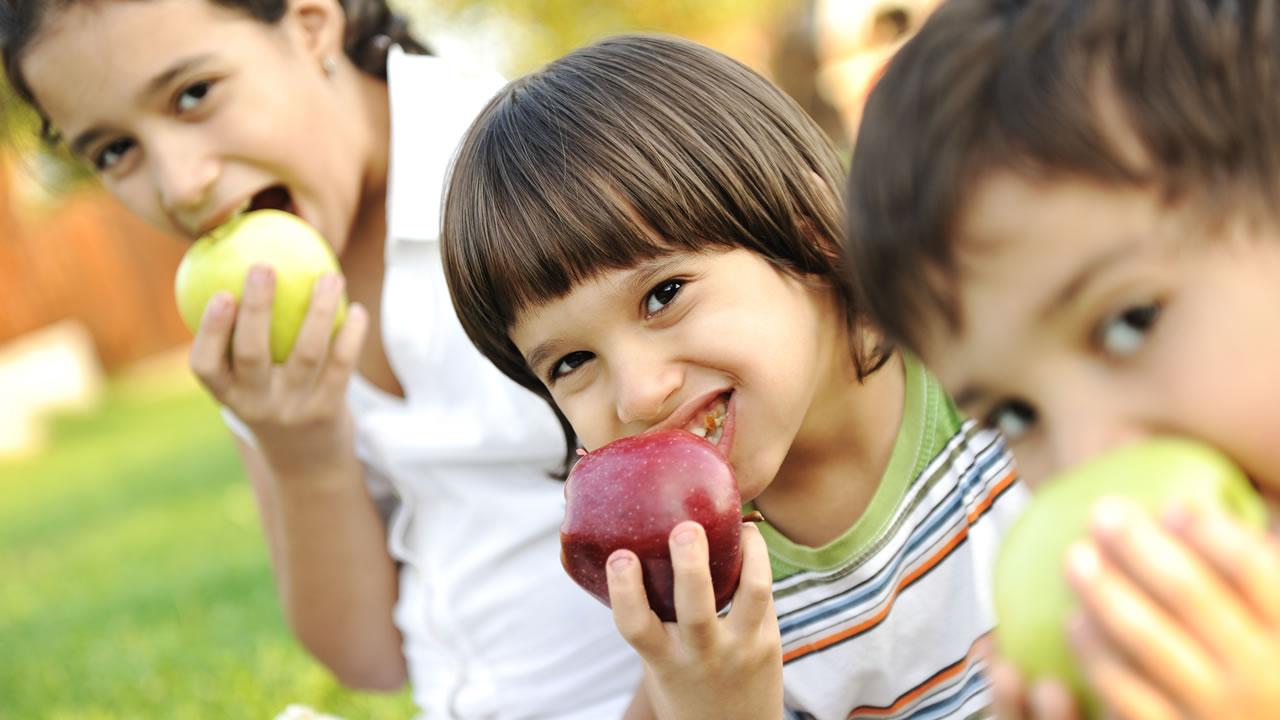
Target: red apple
[631, 493]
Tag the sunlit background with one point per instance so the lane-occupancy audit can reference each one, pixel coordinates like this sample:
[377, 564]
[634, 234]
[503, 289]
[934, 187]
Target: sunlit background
[133, 577]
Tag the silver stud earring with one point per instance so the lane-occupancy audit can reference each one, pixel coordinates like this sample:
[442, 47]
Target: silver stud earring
[329, 65]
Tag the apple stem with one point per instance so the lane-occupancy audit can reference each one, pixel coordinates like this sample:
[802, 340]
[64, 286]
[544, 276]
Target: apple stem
[753, 517]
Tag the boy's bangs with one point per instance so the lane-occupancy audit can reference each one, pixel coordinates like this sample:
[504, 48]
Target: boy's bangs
[551, 234]
[622, 152]
[1176, 96]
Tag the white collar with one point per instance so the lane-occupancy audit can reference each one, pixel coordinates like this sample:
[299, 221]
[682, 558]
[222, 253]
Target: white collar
[433, 102]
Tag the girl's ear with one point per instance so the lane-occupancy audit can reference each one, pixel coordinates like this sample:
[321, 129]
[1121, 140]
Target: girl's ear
[319, 25]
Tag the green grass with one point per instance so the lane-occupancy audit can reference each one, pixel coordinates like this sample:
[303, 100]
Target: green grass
[134, 581]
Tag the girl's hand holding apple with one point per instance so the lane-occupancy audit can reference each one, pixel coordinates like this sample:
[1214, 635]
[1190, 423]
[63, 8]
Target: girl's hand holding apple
[290, 392]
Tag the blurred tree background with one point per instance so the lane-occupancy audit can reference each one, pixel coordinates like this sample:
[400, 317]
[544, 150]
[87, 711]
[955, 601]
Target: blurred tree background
[136, 580]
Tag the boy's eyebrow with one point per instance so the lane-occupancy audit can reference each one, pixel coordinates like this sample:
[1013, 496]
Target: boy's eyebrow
[80, 144]
[967, 397]
[648, 272]
[1080, 278]
[541, 353]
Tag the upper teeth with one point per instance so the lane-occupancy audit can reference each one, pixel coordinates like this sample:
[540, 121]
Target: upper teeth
[711, 424]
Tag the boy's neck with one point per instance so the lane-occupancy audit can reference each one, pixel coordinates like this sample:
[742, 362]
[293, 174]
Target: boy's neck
[838, 459]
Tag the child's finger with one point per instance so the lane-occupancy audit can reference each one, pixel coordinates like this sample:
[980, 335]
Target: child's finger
[636, 623]
[312, 344]
[1139, 628]
[1050, 700]
[1175, 577]
[694, 596]
[208, 359]
[1249, 561]
[753, 600]
[343, 355]
[1121, 688]
[1007, 691]
[250, 342]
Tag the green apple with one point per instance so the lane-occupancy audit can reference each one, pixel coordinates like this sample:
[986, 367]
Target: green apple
[1032, 597]
[221, 261]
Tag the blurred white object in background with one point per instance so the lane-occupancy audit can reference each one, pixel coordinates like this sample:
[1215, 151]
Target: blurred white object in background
[855, 38]
[54, 369]
[302, 712]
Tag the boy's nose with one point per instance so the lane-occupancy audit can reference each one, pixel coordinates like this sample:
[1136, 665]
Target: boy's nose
[646, 388]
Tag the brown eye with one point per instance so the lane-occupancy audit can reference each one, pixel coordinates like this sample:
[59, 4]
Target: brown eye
[1124, 334]
[661, 296]
[111, 154]
[568, 364]
[1013, 418]
[192, 95]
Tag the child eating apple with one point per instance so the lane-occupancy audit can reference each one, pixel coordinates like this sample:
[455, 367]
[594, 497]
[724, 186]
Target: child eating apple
[646, 233]
[1068, 209]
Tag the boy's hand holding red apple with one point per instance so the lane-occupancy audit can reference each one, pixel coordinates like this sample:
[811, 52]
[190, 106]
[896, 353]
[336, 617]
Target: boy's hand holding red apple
[653, 527]
[264, 296]
[704, 666]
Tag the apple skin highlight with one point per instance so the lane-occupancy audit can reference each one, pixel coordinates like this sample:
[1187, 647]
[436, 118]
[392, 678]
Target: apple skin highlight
[221, 261]
[631, 493]
[1033, 598]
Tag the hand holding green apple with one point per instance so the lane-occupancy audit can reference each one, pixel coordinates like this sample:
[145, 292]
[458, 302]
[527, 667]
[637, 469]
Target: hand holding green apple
[1032, 596]
[221, 261]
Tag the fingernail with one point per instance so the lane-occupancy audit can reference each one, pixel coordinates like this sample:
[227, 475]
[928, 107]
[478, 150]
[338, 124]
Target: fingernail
[685, 535]
[260, 274]
[620, 562]
[1076, 624]
[1079, 632]
[1083, 562]
[1110, 516]
[1179, 517]
[219, 304]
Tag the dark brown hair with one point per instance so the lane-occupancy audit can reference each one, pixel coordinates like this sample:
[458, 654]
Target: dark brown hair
[372, 28]
[1054, 88]
[622, 151]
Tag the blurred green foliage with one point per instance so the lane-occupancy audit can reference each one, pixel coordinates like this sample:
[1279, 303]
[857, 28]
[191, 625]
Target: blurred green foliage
[136, 582]
[550, 28]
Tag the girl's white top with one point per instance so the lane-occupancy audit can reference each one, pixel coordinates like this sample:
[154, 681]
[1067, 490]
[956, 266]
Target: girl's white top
[493, 628]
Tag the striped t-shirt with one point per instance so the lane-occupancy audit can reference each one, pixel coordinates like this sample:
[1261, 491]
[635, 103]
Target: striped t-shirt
[882, 621]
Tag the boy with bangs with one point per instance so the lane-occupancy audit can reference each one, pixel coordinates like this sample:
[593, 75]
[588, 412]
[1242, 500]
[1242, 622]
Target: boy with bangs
[1068, 209]
[645, 232]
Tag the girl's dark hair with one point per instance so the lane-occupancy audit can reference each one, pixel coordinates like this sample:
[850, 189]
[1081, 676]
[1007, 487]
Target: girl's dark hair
[372, 28]
[1050, 89]
[623, 151]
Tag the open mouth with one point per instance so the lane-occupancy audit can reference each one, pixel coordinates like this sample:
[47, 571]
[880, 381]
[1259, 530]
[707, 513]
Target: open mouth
[710, 425]
[276, 197]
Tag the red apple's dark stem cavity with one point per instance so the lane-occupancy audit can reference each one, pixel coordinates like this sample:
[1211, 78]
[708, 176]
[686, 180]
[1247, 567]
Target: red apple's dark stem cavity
[753, 517]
